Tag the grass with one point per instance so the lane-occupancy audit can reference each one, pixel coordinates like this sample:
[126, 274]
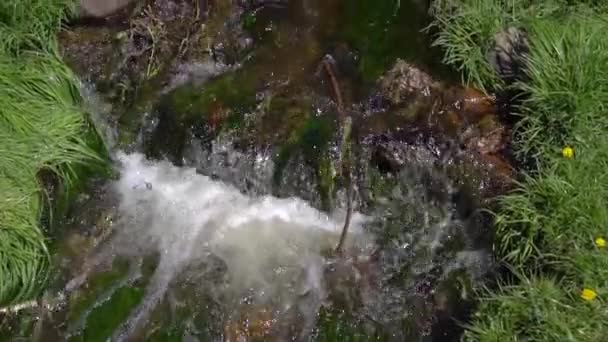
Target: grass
[545, 230]
[31, 25]
[42, 129]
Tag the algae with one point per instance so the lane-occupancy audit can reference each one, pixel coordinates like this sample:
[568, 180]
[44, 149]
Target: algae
[383, 31]
[312, 141]
[105, 319]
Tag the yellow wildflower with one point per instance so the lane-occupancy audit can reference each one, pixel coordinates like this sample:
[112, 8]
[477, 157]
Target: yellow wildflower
[588, 294]
[568, 152]
[600, 242]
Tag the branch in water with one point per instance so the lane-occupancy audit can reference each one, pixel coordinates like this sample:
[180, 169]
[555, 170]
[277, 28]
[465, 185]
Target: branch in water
[346, 126]
[346, 152]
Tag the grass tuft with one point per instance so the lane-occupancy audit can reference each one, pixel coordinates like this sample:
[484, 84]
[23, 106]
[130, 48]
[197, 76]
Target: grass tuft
[537, 309]
[42, 129]
[545, 230]
[31, 25]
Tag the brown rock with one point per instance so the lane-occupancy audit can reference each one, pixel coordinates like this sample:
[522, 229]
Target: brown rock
[470, 103]
[487, 137]
[403, 82]
[451, 123]
[255, 324]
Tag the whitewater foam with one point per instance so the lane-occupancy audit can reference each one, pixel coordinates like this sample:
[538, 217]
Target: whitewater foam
[272, 248]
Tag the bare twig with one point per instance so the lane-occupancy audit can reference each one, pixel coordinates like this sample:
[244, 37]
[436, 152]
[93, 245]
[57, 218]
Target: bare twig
[346, 125]
[349, 212]
[329, 65]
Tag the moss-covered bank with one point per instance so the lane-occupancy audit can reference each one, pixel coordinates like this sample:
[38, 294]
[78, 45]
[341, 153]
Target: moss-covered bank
[44, 139]
[550, 231]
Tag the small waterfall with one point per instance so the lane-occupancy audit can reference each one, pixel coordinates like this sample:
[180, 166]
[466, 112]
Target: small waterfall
[272, 248]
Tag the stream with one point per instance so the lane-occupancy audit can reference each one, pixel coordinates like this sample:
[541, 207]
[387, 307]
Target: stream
[224, 121]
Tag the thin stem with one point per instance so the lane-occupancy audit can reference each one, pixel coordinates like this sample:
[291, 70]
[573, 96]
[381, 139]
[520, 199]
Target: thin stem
[346, 125]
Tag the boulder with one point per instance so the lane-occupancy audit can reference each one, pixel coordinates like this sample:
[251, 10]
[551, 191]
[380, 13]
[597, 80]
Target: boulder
[403, 82]
[508, 57]
[102, 8]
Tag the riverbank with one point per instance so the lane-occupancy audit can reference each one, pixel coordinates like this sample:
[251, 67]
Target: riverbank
[44, 136]
[551, 231]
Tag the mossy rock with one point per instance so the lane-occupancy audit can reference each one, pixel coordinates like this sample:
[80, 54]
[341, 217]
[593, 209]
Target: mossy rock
[105, 319]
[84, 299]
[384, 31]
[311, 144]
[201, 112]
[336, 325]
[281, 119]
[100, 308]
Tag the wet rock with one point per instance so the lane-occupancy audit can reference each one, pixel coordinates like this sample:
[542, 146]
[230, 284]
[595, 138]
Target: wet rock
[257, 4]
[469, 103]
[88, 51]
[146, 51]
[196, 73]
[508, 56]
[472, 152]
[403, 82]
[485, 144]
[102, 8]
[133, 50]
[389, 157]
[406, 286]
[254, 323]
[488, 137]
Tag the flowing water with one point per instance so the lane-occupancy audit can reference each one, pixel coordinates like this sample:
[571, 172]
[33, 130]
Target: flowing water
[270, 249]
[229, 197]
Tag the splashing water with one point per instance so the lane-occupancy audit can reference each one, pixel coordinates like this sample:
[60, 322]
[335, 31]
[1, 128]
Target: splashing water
[272, 248]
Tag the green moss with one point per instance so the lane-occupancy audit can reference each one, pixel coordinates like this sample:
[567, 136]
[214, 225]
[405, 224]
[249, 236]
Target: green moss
[105, 319]
[17, 326]
[99, 283]
[204, 111]
[188, 310]
[315, 136]
[249, 22]
[385, 30]
[325, 178]
[234, 91]
[168, 335]
[335, 325]
[192, 318]
[312, 141]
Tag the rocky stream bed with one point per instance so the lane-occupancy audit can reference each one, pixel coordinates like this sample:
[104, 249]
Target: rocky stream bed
[330, 102]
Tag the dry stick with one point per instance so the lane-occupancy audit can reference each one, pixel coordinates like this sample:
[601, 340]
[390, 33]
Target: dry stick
[345, 122]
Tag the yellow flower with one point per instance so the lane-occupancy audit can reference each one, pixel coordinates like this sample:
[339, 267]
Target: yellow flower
[600, 242]
[568, 152]
[588, 295]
